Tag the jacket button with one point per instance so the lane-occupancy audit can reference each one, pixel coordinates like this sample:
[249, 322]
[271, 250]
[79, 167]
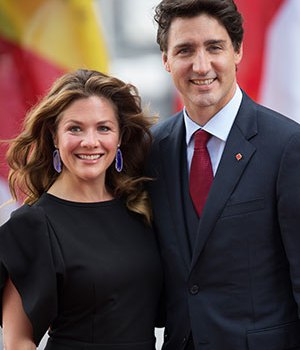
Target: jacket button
[194, 289]
[183, 340]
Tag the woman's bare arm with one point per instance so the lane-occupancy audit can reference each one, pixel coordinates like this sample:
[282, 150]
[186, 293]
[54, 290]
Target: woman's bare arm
[17, 329]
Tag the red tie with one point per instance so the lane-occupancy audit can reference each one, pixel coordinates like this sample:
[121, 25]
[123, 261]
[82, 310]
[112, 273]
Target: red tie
[201, 174]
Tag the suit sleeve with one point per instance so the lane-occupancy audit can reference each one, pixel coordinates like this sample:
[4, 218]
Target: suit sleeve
[30, 258]
[288, 194]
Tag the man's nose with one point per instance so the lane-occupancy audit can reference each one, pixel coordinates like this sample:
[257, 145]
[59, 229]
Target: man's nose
[201, 63]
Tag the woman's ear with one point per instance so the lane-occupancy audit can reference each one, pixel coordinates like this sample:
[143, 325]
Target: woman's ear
[54, 139]
[120, 139]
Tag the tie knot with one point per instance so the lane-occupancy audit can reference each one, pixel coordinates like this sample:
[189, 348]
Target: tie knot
[201, 138]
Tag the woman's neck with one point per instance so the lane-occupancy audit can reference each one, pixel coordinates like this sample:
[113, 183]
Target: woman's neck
[80, 191]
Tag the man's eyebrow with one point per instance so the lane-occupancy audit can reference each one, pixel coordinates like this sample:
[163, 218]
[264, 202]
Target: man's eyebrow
[187, 44]
[183, 44]
[214, 42]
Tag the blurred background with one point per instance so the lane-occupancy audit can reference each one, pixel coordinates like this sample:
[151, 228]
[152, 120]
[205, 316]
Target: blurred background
[42, 39]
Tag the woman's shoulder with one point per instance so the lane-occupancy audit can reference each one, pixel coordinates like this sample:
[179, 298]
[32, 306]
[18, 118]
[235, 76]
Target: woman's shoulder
[33, 262]
[27, 219]
[27, 210]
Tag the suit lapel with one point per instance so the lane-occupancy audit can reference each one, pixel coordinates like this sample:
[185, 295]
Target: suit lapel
[171, 150]
[229, 171]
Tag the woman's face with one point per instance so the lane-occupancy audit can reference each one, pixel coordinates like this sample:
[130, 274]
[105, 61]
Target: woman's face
[87, 138]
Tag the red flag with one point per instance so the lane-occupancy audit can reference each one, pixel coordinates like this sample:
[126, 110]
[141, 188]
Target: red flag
[258, 15]
[269, 71]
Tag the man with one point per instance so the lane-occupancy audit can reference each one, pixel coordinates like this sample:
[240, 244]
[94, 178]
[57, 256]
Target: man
[232, 259]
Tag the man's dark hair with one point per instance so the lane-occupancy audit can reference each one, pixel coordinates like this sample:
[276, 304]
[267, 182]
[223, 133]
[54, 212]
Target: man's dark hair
[225, 11]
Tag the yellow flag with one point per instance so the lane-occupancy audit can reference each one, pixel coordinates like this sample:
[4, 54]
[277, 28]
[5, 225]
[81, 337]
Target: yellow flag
[64, 32]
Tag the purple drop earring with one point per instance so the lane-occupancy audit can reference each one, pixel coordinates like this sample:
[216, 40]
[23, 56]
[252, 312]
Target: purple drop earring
[119, 160]
[56, 161]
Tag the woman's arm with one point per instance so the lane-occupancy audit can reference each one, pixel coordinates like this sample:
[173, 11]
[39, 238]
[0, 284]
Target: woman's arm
[17, 329]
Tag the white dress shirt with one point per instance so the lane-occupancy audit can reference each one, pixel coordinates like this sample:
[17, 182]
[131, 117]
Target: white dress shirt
[218, 126]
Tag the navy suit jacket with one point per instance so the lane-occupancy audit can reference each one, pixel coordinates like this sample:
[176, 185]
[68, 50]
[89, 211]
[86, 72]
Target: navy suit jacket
[240, 286]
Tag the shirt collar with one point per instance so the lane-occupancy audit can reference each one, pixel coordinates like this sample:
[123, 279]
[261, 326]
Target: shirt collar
[220, 124]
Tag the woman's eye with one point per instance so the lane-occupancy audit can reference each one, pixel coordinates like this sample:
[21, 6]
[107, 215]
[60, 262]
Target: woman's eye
[75, 129]
[103, 128]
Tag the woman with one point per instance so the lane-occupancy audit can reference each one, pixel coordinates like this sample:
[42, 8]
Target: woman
[79, 258]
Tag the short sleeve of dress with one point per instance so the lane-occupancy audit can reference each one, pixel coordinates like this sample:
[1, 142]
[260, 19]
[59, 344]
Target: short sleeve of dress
[29, 255]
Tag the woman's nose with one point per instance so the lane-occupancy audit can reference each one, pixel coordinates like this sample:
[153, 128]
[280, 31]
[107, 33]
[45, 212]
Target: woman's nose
[90, 139]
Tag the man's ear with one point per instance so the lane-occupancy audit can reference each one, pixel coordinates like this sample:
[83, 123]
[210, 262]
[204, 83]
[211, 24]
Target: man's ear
[165, 61]
[239, 54]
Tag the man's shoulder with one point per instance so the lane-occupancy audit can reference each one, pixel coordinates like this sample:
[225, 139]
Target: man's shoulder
[277, 120]
[165, 126]
[267, 118]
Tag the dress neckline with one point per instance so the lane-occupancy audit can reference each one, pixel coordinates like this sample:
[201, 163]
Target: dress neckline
[62, 201]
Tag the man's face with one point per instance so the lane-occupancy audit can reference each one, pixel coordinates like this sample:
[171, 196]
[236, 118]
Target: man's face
[202, 62]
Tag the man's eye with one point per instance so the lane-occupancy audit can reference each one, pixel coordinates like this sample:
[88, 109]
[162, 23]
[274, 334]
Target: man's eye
[215, 48]
[183, 51]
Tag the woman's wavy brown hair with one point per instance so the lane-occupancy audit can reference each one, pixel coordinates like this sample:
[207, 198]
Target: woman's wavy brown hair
[30, 153]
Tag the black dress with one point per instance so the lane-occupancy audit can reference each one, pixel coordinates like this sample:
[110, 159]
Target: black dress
[90, 271]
